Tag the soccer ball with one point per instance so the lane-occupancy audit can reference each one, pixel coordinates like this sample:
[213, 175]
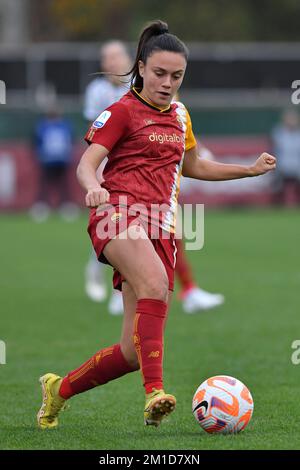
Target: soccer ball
[222, 404]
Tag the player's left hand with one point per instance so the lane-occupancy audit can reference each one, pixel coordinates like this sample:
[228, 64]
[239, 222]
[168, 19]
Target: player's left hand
[263, 164]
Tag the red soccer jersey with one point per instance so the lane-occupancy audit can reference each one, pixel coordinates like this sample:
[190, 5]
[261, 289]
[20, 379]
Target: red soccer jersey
[146, 149]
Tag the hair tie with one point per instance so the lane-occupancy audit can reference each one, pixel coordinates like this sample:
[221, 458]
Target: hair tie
[164, 30]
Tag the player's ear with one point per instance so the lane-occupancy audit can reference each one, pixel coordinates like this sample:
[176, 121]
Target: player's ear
[141, 68]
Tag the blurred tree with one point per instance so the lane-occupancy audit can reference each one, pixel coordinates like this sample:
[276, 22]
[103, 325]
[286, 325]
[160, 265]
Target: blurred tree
[275, 20]
[193, 20]
[202, 20]
[93, 19]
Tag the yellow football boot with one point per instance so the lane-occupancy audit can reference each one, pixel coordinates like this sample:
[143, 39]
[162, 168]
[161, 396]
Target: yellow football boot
[158, 405]
[52, 402]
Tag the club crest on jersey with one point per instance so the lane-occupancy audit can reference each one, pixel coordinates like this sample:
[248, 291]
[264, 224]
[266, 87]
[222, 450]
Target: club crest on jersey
[102, 119]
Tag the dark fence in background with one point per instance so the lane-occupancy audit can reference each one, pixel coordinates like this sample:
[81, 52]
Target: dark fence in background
[229, 74]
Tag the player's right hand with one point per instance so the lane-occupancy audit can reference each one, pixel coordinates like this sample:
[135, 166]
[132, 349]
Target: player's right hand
[96, 196]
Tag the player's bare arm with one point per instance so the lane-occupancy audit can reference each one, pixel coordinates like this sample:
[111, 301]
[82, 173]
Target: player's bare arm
[204, 152]
[200, 168]
[86, 175]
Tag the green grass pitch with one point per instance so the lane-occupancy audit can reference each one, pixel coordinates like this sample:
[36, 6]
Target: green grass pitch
[48, 324]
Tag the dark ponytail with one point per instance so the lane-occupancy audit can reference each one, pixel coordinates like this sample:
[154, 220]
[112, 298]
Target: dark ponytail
[155, 37]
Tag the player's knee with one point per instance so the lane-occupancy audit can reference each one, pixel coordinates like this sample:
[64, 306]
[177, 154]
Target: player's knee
[157, 287]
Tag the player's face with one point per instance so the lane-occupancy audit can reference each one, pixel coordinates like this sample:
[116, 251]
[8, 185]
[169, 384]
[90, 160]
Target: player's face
[162, 75]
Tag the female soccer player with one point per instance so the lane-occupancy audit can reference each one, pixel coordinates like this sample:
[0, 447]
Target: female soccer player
[149, 143]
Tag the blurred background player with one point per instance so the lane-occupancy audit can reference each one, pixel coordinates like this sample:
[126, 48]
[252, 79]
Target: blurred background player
[194, 299]
[286, 144]
[100, 94]
[53, 147]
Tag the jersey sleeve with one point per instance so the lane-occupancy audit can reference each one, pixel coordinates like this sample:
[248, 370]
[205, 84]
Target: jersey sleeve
[190, 140]
[109, 127]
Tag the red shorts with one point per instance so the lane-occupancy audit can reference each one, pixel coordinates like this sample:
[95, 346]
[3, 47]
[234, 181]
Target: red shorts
[109, 220]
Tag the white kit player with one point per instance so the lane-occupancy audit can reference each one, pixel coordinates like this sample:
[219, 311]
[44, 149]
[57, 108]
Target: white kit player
[103, 91]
